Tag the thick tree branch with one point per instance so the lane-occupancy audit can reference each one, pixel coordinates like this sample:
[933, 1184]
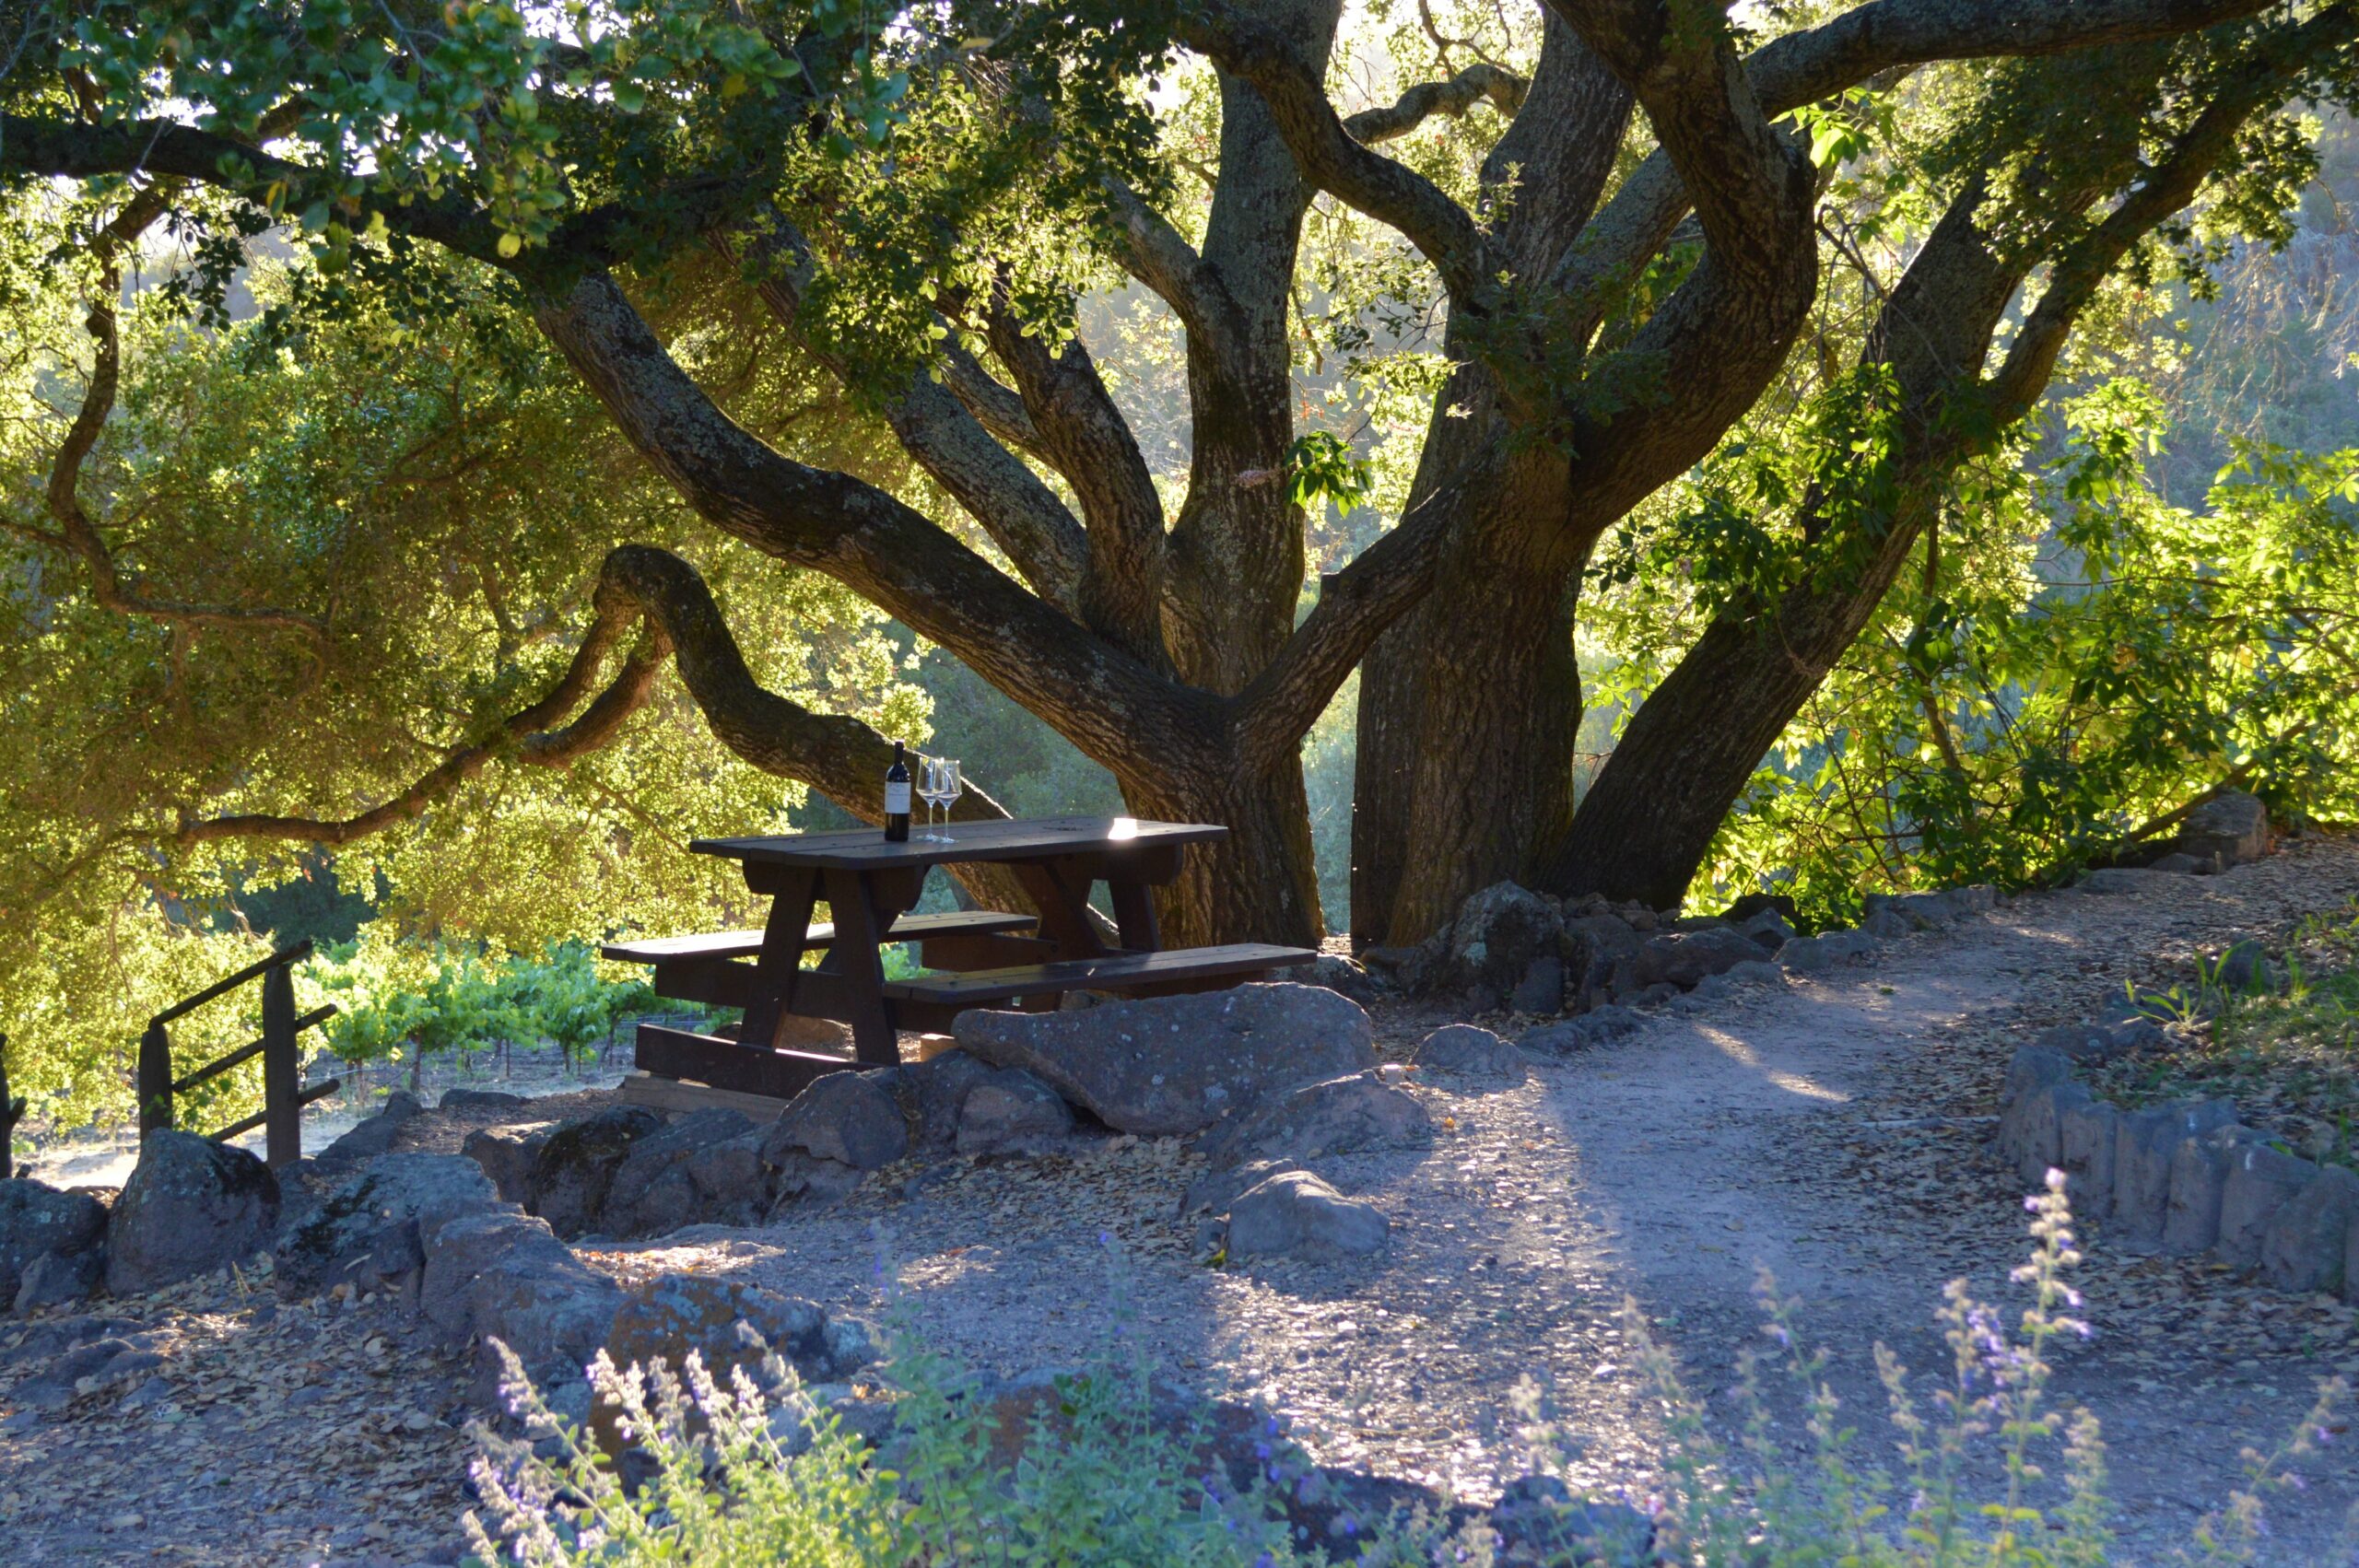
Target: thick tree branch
[1022, 515]
[1090, 443]
[1160, 257]
[1115, 708]
[1502, 88]
[1445, 232]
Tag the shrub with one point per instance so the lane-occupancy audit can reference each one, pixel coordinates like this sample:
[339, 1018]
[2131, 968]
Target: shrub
[752, 1474]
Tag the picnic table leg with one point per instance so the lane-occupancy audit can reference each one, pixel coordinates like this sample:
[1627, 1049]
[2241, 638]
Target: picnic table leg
[1062, 894]
[864, 906]
[782, 956]
[1135, 915]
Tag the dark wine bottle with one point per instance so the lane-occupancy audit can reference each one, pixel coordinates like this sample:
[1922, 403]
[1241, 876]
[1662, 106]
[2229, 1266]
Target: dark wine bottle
[897, 800]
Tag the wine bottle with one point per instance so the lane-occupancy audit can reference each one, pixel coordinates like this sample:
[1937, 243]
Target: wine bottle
[897, 800]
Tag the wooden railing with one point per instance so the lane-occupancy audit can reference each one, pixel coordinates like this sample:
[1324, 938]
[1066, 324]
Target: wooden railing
[284, 1094]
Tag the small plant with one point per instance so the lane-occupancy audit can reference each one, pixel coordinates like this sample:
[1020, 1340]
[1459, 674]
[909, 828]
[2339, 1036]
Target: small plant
[754, 1473]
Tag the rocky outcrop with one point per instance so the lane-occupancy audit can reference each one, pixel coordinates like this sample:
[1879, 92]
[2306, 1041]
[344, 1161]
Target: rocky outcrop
[576, 1165]
[54, 1239]
[1329, 1117]
[367, 1229]
[1166, 1065]
[190, 1206]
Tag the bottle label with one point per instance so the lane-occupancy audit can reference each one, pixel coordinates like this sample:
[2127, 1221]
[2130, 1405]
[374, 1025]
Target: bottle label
[897, 800]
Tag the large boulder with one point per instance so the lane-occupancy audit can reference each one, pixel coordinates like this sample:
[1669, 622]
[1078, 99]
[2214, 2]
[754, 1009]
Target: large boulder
[703, 1169]
[853, 1118]
[39, 1222]
[190, 1207]
[1330, 1118]
[1168, 1066]
[1293, 1211]
[499, 1274]
[366, 1228]
[1498, 934]
[576, 1166]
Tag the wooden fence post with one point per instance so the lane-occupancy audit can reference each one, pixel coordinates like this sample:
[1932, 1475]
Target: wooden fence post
[281, 1069]
[12, 1111]
[155, 1081]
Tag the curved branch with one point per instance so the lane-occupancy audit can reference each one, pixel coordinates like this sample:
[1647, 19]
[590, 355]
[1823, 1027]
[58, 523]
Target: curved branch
[1503, 88]
[1445, 232]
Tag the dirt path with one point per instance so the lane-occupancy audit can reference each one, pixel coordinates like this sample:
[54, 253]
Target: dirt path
[1834, 1131]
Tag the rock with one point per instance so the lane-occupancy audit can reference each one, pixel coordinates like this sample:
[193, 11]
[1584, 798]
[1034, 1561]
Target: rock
[1662, 991]
[2144, 1144]
[673, 1314]
[1410, 970]
[1497, 933]
[682, 1177]
[2031, 1135]
[2180, 864]
[1769, 931]
[476, 1101]
[2232, 827]
[1338, 973]
[61, 1279]
[373, 1136]
[803, 1180]
[2085, 1138]
[1682, 958]
[1217, 1189]
[933, 1092]
[2198, 1177]
[1293, 1211]
[1811, 954]
[2302, 1248]
[1465, 1051]
[38, 1222]
[851, 1117]
[498, 1274]
[1318, 1118]
[2132, 1034]
[508, 1154]
[1012, 1113]
[2085, 1043]
[1541, 991]
[89, 1368]
[1166, 1065]
[1916, 911]
[365, 1229]
[2033, 1067]
[1736, 977]
[190, 1206]
[1887, 926]
[1749, 904]
[1581, 1033]
[2260, 1181]
[576, 1163]
[2245, 970]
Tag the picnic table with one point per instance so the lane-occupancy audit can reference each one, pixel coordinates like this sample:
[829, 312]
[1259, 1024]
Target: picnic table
[977, 956]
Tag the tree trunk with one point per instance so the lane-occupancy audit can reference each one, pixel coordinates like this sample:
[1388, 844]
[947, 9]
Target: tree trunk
[1260, 884]
[1469, 709]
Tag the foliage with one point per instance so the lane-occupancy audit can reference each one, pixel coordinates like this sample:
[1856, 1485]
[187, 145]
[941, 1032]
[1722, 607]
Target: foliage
[754, 1472]
[2088, 658]
[402, 1002]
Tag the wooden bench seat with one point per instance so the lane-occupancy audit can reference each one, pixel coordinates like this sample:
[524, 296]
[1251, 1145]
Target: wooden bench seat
[1178, 969]
[721, 945]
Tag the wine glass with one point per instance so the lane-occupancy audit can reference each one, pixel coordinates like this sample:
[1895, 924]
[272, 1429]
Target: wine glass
[930, 792]
[947, 789]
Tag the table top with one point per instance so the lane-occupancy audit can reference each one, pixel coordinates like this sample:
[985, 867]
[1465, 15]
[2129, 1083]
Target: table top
[1015, 839]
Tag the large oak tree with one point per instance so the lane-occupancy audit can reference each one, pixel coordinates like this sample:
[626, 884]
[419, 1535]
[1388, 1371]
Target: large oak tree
[916, 195]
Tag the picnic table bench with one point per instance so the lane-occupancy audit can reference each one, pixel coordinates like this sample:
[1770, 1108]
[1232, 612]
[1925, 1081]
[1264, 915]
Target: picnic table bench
[978, 956]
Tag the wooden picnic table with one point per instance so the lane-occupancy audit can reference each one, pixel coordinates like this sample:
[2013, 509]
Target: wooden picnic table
[985, 956]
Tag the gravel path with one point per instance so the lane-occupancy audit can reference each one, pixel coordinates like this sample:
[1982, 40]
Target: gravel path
[1833, 1132]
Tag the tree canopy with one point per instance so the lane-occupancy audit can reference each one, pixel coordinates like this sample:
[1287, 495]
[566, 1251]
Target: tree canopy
[492, 444]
